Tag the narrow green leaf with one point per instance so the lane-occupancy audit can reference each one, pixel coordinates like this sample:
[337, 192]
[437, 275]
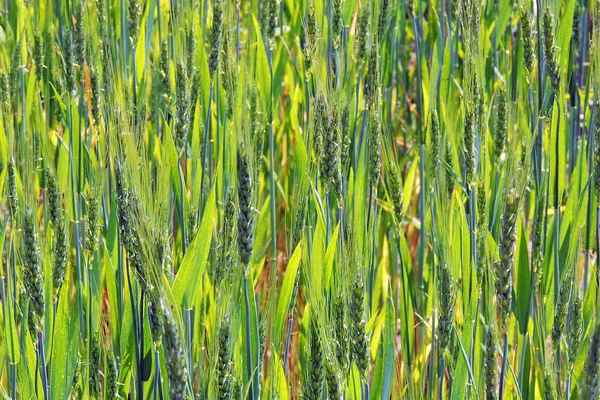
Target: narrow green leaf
[186, 284]
[287, 288]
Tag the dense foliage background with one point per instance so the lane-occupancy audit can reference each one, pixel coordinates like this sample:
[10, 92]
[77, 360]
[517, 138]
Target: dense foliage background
[341, 199]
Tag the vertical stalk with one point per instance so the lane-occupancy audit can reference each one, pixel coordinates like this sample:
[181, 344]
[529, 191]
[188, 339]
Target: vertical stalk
[43, 372]
[557, 219]
[272, 167]
[189, 332]
[504, 362]
[76, 226]
[442, 373]
[248, 338]
[135, 320]
[422, 218]
[157, 386]
[141, 340]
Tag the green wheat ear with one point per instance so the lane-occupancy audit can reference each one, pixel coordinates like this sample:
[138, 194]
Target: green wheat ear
[216, 33]
[80, 56]
[5, 96]
[374, 143]
[469, 145]
[506, 251]
[92, 227]
[309, 43]
[333, 379]
[372, 80]
[224, 362]
[95, 94]
[395, 189]
[447, 300]
[33, 275]
[490, 364]
[38, 54]
[165, 72]
[361, 43]
[330, 156]
[449, 160]
[225, 239]
[191, 46]
[156, 324]
[182, 105]
[111, 378]
[359, 339]
[12, 196]
[133, 18]
[482, 230]
[174, 353]
[575, 327]
[338, 23]
[501, 124]
[384, 16]
[341, 332]
[95, 379]
[434, 152]
[560, 313]
[270, 20]
[549, 51]
[537, 240]
[527, 38]
[61, 257]
[245, 221]
[314, 373]
[69, 58]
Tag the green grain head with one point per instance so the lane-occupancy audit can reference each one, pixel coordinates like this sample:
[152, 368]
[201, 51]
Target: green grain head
[361, 43]
[560, 313]
[395, 190]
[527, 39]
[550, 50]
[133, 18]
[311, 32]
[384, 17]
[506, 251]
[11, 195]
[469, 145]
[111, 378]
[38, 54]
[341, 332]
[575, 326]
[174, 353]
[501, 124]
[33, 274]
[337, 24]
[358, 325]
[330, 159]
[314, 372]
[490, 364]
[224, 362]
[374, 146]
[447, 300]
[245, 221]
[95, 357]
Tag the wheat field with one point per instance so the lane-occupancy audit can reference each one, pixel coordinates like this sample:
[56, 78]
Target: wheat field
[300, 199]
